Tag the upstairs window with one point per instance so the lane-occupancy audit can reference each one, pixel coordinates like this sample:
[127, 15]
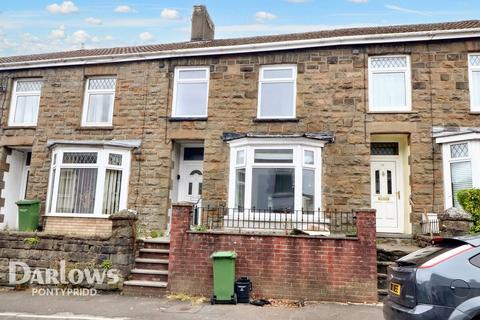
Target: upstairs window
[389, 84]
[25, 102]
[474, 77]
[277, 92]
[88, 181]
[190, 93]
[99, 98]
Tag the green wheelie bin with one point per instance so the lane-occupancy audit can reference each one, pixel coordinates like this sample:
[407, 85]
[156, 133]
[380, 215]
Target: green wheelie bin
[28, 212]
[224, 277]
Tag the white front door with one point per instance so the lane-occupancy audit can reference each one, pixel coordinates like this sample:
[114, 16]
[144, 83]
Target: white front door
[386, 195]
[15, 182]
[190, 182]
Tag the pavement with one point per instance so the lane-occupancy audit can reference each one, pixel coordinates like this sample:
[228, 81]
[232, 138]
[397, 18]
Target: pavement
[21, 305]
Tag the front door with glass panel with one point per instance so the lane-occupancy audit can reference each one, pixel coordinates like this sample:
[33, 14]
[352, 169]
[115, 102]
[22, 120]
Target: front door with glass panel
[190, 173]
[385, 195]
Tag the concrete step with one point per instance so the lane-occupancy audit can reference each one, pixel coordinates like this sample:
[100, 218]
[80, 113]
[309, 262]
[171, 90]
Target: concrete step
[157, 243]
[383, 265]
[151, 264]
[145, 288]
[151, 253]
[150, 275]
[382, 281]
[382, 294]
[142, 283]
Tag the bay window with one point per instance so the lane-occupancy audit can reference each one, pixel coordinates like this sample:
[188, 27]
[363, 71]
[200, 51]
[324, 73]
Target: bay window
[25, 102]
[389, 84]
[461, 166]
[88, 181]
[275, 176]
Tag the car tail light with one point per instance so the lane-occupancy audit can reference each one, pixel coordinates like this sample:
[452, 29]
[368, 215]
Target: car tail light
[445, 256]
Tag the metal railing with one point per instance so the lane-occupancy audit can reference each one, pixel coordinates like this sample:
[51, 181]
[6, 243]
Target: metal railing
[290, 221]
[430, 224]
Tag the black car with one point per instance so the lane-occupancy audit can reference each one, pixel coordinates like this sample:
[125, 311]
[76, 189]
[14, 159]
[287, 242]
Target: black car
[438, 282]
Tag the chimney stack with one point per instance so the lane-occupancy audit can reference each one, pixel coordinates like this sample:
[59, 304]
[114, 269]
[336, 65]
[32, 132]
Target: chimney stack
[202, 26]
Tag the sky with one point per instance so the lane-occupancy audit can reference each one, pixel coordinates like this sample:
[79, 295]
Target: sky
[37, 26]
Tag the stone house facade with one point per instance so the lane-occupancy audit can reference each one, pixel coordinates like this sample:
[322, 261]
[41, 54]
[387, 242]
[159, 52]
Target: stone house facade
[183, 122]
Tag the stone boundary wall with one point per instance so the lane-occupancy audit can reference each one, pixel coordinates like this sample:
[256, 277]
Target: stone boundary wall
[78, 251]
[288, 267]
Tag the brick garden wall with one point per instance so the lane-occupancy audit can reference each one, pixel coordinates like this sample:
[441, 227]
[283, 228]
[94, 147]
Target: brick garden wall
[290, 267]
[77, 251]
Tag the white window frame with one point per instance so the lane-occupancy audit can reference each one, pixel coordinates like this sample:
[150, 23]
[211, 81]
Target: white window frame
[177, 80]
[86, 100]
[408, 85]
[262, 80]
[298, 145]
[102, 165]
[473, 88]
[13, 103]
[473, 141]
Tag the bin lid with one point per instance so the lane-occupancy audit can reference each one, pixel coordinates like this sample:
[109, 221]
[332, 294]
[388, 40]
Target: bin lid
[224, 255]
[27, 202]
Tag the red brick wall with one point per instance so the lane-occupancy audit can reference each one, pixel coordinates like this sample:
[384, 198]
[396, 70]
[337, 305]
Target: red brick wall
[289, 267]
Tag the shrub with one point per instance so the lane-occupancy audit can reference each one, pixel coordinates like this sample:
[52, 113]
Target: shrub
[469, 199]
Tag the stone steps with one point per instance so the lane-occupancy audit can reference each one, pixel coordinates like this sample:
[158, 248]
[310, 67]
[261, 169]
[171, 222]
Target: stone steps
[388, 251]
[150, 275]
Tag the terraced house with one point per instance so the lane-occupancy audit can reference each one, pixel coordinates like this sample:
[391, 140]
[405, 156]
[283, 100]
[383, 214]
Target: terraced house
[289, 125]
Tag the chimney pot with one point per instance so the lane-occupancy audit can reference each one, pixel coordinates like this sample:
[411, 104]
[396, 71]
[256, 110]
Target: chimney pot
[203, 28]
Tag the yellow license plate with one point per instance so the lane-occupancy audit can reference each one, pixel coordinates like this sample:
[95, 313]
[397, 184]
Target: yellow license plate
[395, 288]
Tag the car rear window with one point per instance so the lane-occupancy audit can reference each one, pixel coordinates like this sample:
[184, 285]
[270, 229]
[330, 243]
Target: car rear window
[421, 256]
[476, 261]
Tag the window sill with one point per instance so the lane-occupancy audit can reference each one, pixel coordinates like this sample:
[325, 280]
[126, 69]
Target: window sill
[10, 127]
[475, 112]
[86, 128]
[392, 112]
[92, 216]
[260, 120]
[179, 119]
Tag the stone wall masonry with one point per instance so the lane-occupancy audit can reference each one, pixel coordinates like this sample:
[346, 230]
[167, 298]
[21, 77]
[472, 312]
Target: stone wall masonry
[288, 267]
[332, 95]
[78, 251]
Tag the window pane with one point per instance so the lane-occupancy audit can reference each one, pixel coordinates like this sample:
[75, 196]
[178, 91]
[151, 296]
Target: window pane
[277, 73]
[461, 178]
[191, 99]
[459, 150]
[277, 100]
[111, 193]
[240, 157]
[308, 157]
[388, 62]
[192, 74]
[79, 157]
[26, 109]
[384, 148]
[273, 156]
[115, 159]
[389, 91]
[99, 107]
[240, 189]
[76, 190]
[272, 188]
[29, 85]
[475, 60]
[475, 92]
[377, 182]
[308, 190]
[193, 154]
[389, 182]
[102, 84]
